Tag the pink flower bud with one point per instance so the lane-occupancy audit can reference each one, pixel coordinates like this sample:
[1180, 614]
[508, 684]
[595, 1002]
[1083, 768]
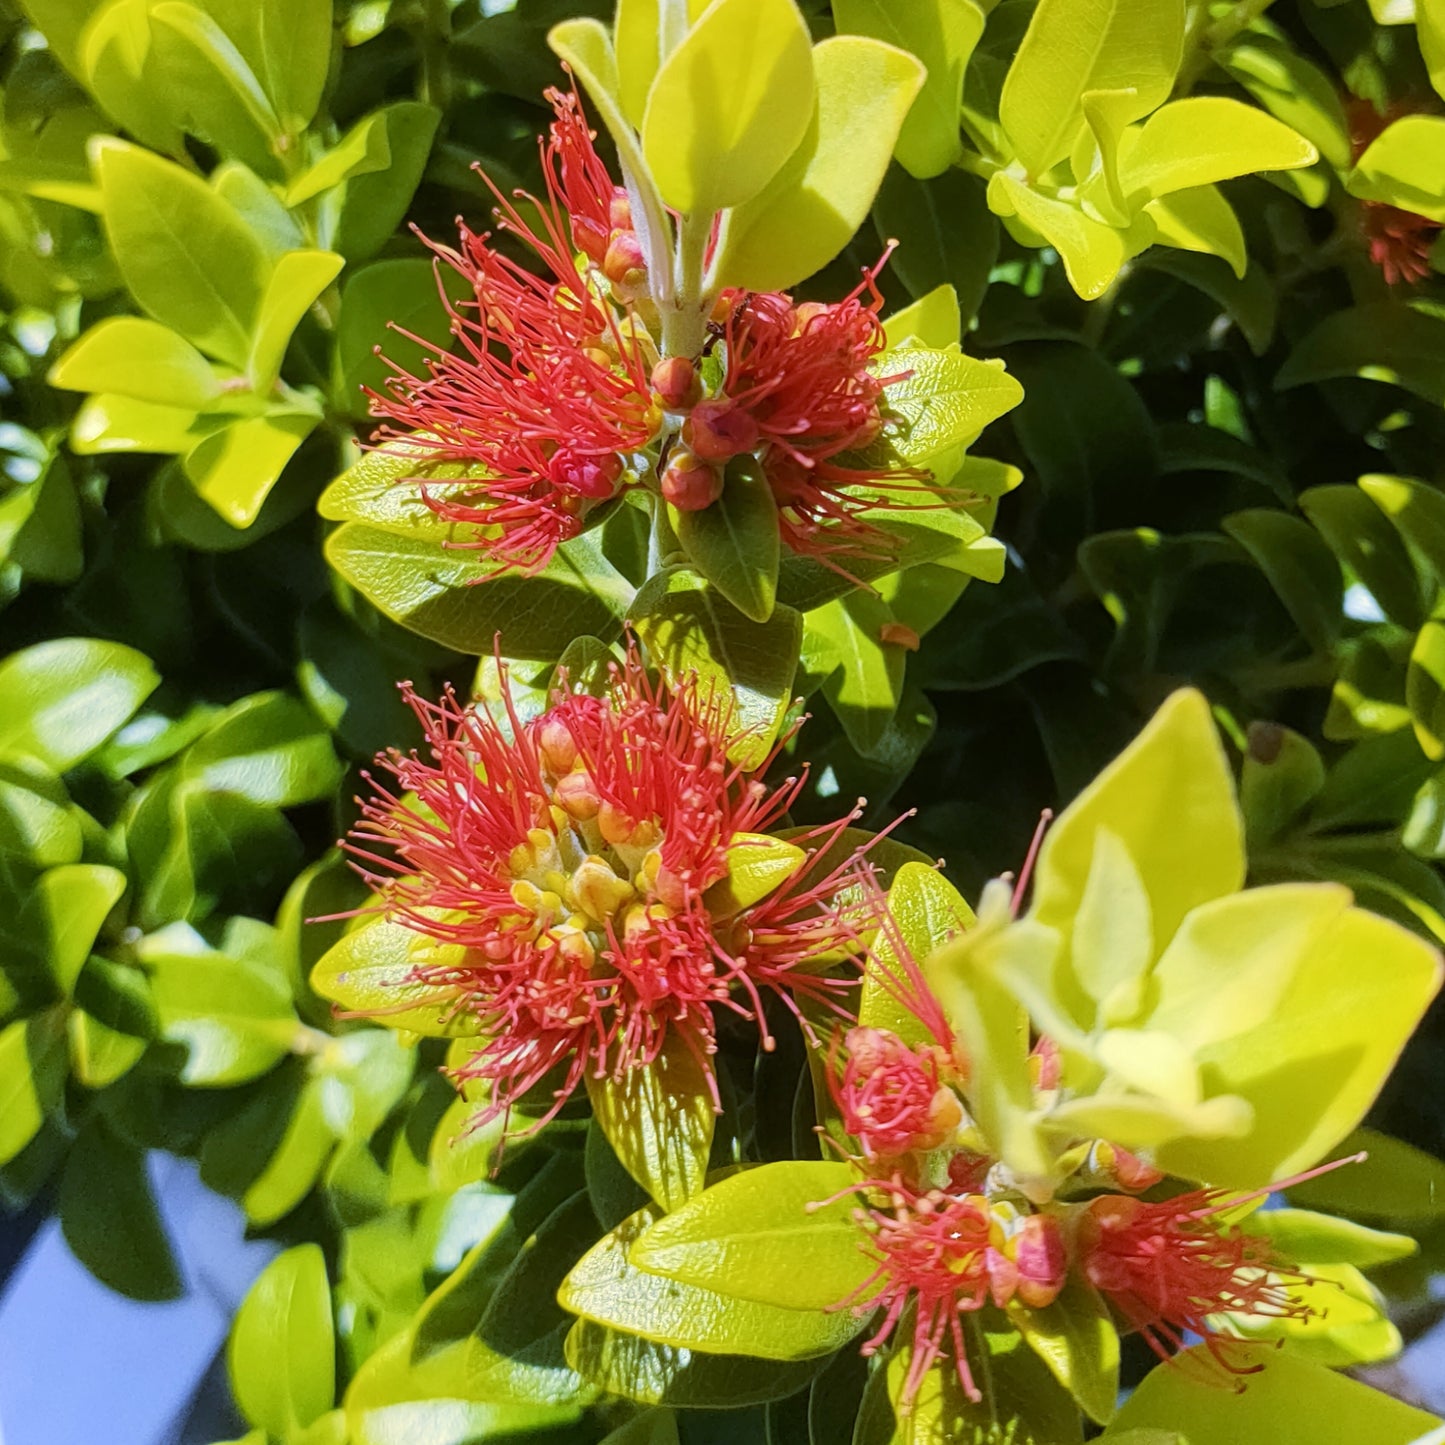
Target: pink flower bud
[624, 264]
[557, 745]
[619, 209]
[577, 795]
[690, 484]
[719, 429]
[675, 381]
[1041, 1258]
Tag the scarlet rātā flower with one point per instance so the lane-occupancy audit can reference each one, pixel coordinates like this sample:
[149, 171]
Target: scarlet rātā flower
[801, 389]
[893, 1099]
[1170, 1268]
[572, 863]
[549, 392]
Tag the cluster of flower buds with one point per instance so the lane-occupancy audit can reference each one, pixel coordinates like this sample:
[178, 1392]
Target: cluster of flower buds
[559, 394]
[949, 1233]
[568, 877]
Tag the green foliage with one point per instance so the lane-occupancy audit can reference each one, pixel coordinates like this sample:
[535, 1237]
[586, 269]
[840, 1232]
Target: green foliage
[1156, 361]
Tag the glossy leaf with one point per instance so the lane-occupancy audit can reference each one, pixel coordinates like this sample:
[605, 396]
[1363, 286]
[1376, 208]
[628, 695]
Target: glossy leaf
[372, 968]
[606, 1289]
[188, 259]
[281, 1348]
[769, 1235]
[942, 35]
[1401, 167]
[299, 278]
[729, 105]
[659, 1121]
[430, 591]
[1291, 1402]
[734, 544]
[130, 356]
[1205, 139]
[808, 212]
[688, 628]
[68, 696]
[1071, 48]
[109, 1217]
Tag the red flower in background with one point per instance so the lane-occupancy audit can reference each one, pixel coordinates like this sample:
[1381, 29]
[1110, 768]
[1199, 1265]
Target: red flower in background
[549, 391]
[570, 860]
[1169, 1267]
[1400, 241]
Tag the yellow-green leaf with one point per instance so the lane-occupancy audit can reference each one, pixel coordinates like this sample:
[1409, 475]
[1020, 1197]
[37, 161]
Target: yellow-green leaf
[729, 105]
[809, 211]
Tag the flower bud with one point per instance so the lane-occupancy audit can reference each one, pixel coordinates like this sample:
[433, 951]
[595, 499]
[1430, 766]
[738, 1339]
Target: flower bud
[690, 484]
[585, 476]
[624, 264]
[577, 794]
[589, 238]
[718, 430]
[676, 382]
[619, 209]
[556, 744]
[597, 890]
[1028, 1261]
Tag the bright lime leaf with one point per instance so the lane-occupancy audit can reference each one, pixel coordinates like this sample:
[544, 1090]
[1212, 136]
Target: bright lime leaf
[1076, 1339]
[1205, 139]
[1201, 220]
[282, 1343]
[757, 865]
[1288, 1402]
[1312, 1067]
[1309, 1239]
[187, 257]
[775, 1235]
[64, 698]
[64, 912]
[606, 1288]
[1425, 689]
[1074, 46]
[235, 468]
[942, 34]
[108, 423]
[362, 150]
[372, 970]
[729, 105]
[688, 628]
[809, 211]
[1169, 798]
[934, 320]
[1430, 31]
[130, 356]
[1092, 252]
[1401, 167]
[430, 591]
[926, 911]
[32, 1075]
[659, 1120]
[299, 278]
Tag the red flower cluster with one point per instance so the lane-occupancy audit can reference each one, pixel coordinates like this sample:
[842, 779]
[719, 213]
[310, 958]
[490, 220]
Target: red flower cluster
[1400, 241]
[558, 394]
[1170, 1267]
[549, 392]
[571, 862]
[947, 1235]
[801, 392]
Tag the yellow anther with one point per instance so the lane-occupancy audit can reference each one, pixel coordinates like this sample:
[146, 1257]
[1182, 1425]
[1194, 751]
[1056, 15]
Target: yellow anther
[598, 891]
